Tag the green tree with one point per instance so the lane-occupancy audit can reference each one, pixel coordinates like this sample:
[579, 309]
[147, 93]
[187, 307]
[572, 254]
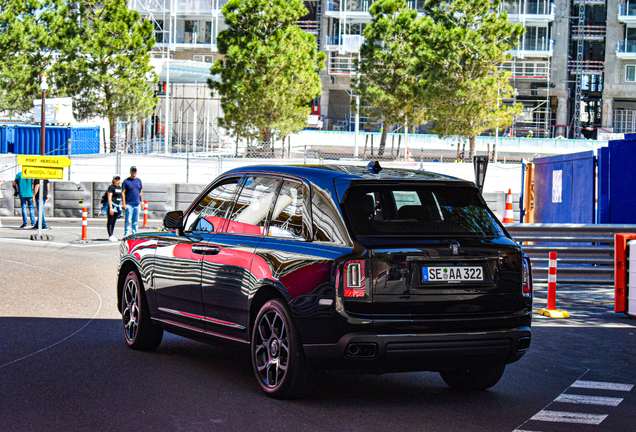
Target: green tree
[32, 32]
[465, 44]
[107, 62]
[268, 75]
[386, 77]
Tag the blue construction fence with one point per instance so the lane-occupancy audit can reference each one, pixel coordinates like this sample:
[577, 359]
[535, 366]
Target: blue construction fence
[60, 140]
[587, 188]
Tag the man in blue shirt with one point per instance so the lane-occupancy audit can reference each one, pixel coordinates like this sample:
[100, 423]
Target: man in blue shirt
[25, 191]
[131, 199]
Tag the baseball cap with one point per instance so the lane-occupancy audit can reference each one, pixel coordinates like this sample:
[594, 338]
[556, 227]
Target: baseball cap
[133, 168]
[116, 177]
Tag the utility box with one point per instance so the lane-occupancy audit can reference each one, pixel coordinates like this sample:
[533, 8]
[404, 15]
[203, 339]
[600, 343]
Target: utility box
[631, 285]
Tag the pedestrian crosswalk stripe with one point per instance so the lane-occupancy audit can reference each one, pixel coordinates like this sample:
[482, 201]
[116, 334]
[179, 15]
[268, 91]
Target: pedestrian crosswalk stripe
[602, 385]
[569, 417]
[589, 400]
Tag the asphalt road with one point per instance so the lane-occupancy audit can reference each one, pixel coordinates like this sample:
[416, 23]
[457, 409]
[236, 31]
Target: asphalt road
[64, 365]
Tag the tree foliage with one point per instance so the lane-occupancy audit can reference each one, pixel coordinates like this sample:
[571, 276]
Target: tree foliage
[268, 75]
[108, 62]
[466, 43]
[96, 52]
[32, 32]
[443, 67]
[386, 77]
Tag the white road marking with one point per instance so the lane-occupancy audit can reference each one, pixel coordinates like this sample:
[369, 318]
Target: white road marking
[589, 400]
[67, 337]
[597, 385]
[48, 242]
[569, 417]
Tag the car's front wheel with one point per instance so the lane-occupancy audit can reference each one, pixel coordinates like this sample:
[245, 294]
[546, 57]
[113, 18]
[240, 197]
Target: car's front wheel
[278, 359]
[473, 379]
[139, 331]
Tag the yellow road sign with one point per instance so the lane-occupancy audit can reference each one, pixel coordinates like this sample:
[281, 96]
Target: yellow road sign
[44, 173]
[44, 161]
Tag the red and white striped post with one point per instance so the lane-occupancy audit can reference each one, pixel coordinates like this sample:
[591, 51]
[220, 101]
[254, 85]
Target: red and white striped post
[145, 225]
[552, 278]
[551, 311]
[84, 223]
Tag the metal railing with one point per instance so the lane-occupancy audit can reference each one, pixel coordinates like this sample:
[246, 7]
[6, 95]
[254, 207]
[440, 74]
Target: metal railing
[585, 252]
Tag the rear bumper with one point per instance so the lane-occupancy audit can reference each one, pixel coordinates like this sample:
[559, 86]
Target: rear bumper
[427, 352]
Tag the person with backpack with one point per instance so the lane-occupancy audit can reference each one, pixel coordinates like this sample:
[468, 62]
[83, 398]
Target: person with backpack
[113, 201]
[24, 188]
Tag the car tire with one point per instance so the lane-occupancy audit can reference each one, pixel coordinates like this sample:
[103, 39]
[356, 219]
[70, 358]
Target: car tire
[278, 359]
[139, 330]
[473, 379]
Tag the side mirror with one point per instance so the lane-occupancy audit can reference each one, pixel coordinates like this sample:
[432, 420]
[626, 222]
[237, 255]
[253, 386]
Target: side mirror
[173, 220]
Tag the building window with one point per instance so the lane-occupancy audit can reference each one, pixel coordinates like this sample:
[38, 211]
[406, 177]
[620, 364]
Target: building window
[624, 121]
[536, 39]
[630, 73]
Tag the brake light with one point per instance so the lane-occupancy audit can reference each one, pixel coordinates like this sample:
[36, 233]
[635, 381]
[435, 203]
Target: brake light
[526, 288]
[354, 278]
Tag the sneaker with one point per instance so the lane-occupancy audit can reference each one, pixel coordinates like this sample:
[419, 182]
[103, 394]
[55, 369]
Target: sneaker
[112, 238]
[22, 226]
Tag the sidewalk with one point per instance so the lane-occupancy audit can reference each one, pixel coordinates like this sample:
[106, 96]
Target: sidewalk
[69, 230]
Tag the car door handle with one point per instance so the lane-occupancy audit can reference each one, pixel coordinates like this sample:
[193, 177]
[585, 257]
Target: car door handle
[206, 250]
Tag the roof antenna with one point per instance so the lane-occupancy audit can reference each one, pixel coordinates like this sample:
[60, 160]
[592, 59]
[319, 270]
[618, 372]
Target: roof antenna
[374, 167]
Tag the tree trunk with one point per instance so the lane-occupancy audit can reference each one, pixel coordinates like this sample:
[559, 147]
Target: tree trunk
[266, 143]
[113, 146]
[472, 148]
[458, 145]
[385, 130]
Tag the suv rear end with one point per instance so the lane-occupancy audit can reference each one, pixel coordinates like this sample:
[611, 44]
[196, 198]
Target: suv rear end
[434, 282]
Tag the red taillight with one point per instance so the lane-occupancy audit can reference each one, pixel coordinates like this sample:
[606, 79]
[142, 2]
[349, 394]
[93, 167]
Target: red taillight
[526, 289]
[354, 280]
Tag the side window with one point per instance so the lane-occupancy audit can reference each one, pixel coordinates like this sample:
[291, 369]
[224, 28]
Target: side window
[327, 223]
[209, 213]
[252, 206]
[287, 219]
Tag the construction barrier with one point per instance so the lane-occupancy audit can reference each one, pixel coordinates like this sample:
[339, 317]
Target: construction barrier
[508, 212]
[145, 225]
[84, 223]
[620, 270]
[551, 310]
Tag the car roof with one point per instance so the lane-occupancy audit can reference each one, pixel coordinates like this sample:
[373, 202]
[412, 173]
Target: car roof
[319, 174]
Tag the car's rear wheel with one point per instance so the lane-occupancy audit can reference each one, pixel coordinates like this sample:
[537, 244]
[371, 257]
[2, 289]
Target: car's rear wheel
[278, 359]
[139, 331]
[473, 379]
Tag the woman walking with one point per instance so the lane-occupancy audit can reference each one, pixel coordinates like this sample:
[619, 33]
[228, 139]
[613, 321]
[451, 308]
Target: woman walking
[114, 207]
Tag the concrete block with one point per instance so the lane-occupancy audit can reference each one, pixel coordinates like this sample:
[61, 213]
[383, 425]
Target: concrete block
[186, 193]
[161, 199]
[68, 196]
[7, 203]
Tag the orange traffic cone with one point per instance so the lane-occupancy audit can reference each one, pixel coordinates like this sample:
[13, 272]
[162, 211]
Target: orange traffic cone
[508, 214]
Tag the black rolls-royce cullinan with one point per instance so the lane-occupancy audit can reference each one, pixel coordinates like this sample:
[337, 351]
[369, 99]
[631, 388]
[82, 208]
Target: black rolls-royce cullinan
[334, 267]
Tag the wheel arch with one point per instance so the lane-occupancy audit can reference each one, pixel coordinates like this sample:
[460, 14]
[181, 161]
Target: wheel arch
[264, 293]
[124, 269]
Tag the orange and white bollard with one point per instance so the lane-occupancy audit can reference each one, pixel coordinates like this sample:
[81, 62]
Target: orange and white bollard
[551, 310]
[84, 223]
[145, 225]
[509, 216]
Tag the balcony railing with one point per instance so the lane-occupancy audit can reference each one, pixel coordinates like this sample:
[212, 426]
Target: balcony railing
[539, 70]
[179, 6]
[312, 27]
[628, 46]
[589, 32]
[534, 48]
[347, 43]
[522, 7]
[364, 5]
[340, 65]
[588, 67]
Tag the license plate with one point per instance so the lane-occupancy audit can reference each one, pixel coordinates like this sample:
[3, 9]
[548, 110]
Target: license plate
[452, 274]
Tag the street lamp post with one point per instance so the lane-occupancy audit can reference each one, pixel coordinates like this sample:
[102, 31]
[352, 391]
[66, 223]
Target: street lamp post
[44, 87]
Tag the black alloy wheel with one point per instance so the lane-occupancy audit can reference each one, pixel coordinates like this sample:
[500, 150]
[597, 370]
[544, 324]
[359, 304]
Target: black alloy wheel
[139, 331]
[473, 379]
[277, 355]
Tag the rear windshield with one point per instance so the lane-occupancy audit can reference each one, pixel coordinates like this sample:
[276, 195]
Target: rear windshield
[386, 210]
